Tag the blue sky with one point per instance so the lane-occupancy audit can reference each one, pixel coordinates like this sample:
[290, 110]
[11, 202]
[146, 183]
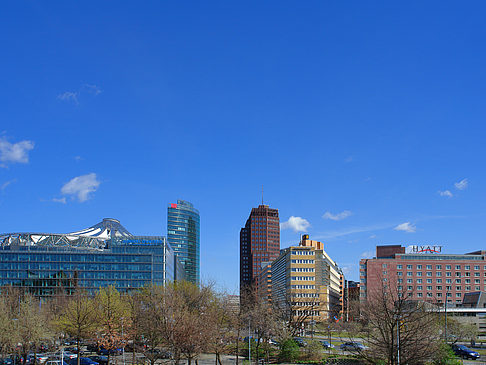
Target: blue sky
[364, 121]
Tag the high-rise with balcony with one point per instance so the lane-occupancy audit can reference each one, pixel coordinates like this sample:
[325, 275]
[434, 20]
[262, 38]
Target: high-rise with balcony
[183, 236]
[259, 243]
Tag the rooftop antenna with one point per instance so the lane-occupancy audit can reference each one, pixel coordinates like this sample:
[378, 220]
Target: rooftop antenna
[262, 194]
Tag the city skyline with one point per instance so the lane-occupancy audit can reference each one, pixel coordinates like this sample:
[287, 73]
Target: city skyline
[364, 123]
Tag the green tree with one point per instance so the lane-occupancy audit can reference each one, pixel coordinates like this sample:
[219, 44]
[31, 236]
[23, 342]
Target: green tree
[112, 311]
[78, 319]
[289, 351]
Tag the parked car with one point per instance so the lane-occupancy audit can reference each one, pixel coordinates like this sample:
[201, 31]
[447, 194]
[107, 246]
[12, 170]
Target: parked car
[105, 352]
[353, 346]
[82, 361]
[55, 362]
[465, 352]
[92, 347]
[326, 344]
[299, 341]
[41, 358]
[102, 360]
[66, 354]
[6, 361]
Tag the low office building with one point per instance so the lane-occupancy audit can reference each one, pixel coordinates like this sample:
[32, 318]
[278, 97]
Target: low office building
[423, 273]
[102, 255]
[307, 281]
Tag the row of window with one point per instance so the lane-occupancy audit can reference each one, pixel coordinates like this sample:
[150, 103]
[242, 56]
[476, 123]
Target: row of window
[437, 267]
[302, 261]
[439, 281]
[439, 273]
[303, 252]
[303, 278]
[302, 269]
[439, 288]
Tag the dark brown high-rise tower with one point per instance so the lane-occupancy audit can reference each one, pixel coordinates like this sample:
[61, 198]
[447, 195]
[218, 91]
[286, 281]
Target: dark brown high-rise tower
[259, 242]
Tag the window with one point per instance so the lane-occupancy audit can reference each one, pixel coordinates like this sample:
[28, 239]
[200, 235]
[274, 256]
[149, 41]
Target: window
[458, 267]
[448, 273]
[429, 273]
[439, 281]
[438, 267]
[449, 294]
[399, 273]
[468, 288]
[438, 273]
[409, 273]
[419, 287]
[409, 267]
[458, 288]
[458, 281]
[477, 288]
[429, 295]
[467, 281]
[409, 287]
[410, 281]
[400, 280]
[419, 281]
[477, 274]
[429, 281]
[476, 267]
[467, 267]
[438, 287]
[384, 273]
[419, 273]
[477, 281]
[384, 266]
[419, 267]
[429, 267]
[458, 274]
[399, 267]
[458, 295]
[429, 288]
[439, 295]
[419, 295]
[448, 267]
[449, 281]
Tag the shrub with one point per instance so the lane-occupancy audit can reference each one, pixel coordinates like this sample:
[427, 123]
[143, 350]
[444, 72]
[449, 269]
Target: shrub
[289, 351]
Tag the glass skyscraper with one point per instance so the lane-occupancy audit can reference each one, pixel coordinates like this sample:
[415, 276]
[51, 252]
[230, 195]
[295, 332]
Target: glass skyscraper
[183, 237]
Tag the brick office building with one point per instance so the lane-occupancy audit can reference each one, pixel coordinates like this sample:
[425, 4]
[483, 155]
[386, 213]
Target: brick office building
[424, 274]
[259, 243]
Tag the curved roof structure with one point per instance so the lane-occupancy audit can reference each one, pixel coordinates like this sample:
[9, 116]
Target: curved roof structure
[94, 237]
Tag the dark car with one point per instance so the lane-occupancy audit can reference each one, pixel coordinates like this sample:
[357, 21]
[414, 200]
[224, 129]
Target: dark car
[6, 361]
[82, 361]
[102, 360]
[464, 352]
[105, 352]
[353, 346]
[326, 344]
[299, 341]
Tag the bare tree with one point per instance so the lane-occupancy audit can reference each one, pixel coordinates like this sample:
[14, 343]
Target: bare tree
[400, 330]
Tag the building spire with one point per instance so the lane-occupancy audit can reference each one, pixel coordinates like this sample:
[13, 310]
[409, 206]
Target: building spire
[262, 194]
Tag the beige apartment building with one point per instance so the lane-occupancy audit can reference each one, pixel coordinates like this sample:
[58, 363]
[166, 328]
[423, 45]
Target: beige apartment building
[305, 280]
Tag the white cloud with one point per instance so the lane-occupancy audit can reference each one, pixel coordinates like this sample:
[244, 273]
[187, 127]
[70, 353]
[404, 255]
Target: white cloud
[349, 159]
[367, 255]
[14, 152]
[373, 236]
[69, 96]
[93, 89]
[60, 200]
[78, 158]
[406, 227]
[297, 224]
[338, 216]
[6, 183]
[446, 193]
[461, 185]
[81, 187]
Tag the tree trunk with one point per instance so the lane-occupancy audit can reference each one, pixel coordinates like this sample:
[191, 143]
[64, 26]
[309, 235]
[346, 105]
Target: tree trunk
[77, 346]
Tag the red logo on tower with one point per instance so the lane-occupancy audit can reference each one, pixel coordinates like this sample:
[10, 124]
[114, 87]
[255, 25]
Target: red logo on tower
[173, 205]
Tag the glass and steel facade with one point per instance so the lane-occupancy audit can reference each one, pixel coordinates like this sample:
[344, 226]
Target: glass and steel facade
[55, 267]
[184, 237]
